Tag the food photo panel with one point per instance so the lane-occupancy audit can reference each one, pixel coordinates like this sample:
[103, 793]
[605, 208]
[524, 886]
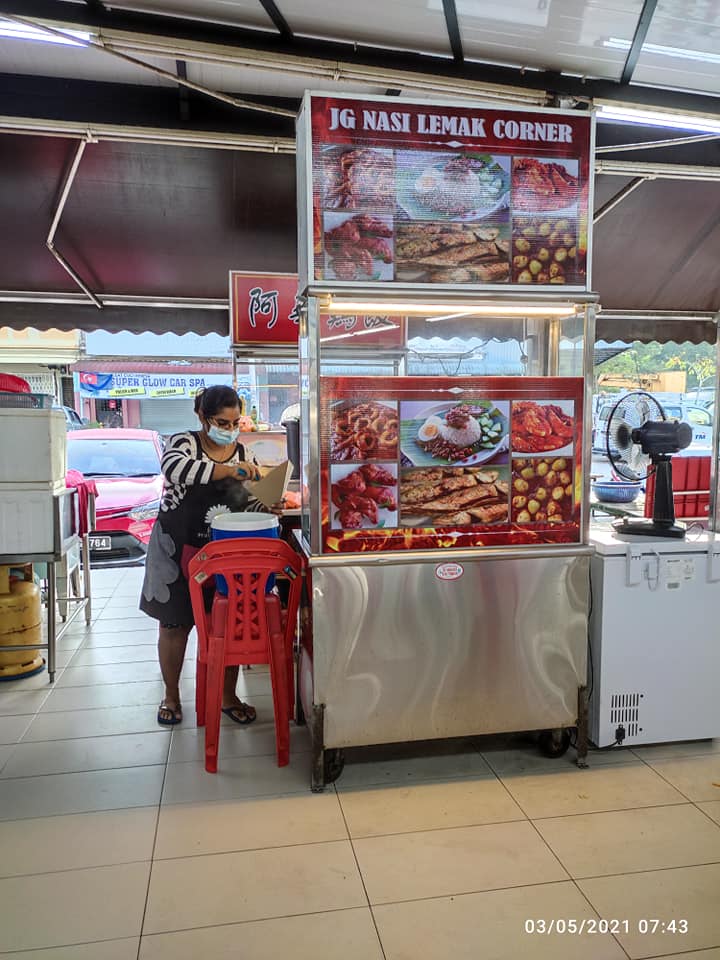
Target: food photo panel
[545, 250]
[358, 246]
[363, 430]
[544, 186]
[357, 178]
[363, 497]
[468, 432]
[453, 496]
[462, 186]
[446, 252]
[541, 426]
[542, 490]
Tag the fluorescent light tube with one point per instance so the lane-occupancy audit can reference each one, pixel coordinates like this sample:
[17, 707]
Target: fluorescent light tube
[615, 43]
[22, 31]
[469, 309]
[650, 118]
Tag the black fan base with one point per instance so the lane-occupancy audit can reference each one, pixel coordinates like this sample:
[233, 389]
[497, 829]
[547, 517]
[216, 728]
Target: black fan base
[646, 528]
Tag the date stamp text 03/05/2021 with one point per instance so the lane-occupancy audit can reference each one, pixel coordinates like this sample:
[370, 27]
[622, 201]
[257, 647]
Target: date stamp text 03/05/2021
[591, 925]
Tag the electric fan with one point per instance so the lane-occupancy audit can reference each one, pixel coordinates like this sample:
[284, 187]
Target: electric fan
[639, 440]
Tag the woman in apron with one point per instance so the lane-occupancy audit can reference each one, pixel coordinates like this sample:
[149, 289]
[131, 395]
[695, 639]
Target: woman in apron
[204, 475]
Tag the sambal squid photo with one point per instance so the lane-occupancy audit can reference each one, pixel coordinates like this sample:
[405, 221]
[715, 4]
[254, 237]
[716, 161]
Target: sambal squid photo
[363, 431]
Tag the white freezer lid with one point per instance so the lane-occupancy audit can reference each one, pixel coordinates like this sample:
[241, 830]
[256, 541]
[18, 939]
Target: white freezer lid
[610, 544]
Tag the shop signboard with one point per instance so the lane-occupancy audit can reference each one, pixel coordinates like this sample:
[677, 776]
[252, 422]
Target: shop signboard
[408, 192]
[146, 386]
[264, 310]
[428, 462]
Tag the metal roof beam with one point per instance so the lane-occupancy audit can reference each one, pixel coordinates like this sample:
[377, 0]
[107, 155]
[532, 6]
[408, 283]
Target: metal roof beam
[453, 29]
[638, 40]
[281, 24]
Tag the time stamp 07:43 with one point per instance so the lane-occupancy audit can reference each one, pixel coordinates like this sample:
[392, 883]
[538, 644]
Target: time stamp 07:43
[590, 925]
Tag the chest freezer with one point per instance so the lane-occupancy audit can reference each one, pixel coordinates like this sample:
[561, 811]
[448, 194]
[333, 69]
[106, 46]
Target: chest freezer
[655, 636]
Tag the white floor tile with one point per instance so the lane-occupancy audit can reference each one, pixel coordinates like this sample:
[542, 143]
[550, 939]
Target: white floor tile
[80, 792]
[402, 808]
[627, 841]
[258, 740]
[76, 841]
[353, 937]
[92, 723]
[102, 903]
[696, 778]
[6, 751]
[617, 786]
[240, 777]
[252, 885]
[12, 728]
[15, 701]
[189, 829]
[414, 762]
[491, 926]
[439, 863]
[92, 656]
[116, 673]
[120, 638]
[92, 753]
[711, 809]
[106, 696]
[689, 893]
[126, 949]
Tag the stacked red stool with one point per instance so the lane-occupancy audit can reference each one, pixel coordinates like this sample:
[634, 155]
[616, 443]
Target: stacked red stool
[248, 626]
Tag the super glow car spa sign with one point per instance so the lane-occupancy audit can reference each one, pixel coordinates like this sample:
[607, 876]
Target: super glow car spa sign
[415, 193]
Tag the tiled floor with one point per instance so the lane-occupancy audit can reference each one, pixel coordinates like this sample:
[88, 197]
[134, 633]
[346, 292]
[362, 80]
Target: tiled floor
[116, 845]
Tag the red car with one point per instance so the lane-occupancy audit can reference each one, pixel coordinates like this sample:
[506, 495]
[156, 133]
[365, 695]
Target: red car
[125, 465]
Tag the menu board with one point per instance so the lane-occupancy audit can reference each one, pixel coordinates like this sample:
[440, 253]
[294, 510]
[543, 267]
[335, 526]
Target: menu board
[415, 193]
[431, 462]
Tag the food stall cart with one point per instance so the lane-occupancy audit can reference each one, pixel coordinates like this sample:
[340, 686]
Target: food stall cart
[445, 483]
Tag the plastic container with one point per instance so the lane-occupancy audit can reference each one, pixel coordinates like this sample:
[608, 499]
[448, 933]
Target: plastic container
[33, 447]
[230, 526]
[616, 491]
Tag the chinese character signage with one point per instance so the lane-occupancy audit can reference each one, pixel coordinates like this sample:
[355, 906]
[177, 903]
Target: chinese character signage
[411, 193]
[263, 308]
[424, 462]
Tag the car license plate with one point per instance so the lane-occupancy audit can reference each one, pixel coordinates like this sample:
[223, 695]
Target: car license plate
[100, 543]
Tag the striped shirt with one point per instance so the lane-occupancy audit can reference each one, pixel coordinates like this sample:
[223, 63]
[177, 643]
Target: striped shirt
[184, 463]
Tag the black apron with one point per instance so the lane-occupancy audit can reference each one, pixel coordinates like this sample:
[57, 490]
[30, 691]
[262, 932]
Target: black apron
[177, 535]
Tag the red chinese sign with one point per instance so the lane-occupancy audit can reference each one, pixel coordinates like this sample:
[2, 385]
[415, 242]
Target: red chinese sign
[263, 308]
[432, 462]
[414, 193]
[362, 331]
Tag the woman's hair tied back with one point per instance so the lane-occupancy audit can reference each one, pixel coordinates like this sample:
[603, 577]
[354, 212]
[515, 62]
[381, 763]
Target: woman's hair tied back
[210, 400]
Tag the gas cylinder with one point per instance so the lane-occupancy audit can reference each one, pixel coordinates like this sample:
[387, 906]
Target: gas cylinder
[20, 624]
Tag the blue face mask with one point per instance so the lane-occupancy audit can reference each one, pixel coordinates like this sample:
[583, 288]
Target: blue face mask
[222, 437]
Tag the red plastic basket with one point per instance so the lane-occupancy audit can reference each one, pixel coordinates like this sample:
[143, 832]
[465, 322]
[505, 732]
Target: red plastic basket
[691, 488]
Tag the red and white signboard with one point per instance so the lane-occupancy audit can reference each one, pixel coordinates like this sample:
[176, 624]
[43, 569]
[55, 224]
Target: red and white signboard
[416, 193]
[263, 308]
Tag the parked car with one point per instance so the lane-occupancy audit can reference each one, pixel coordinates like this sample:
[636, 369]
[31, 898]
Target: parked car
[125, 465]
[699, 418]
[73, 420]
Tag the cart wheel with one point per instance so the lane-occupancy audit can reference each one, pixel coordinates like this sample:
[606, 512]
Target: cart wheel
[554, 743]
[334, 765]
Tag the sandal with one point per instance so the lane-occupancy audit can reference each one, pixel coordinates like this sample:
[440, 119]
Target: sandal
[169, 716]
[241, 713]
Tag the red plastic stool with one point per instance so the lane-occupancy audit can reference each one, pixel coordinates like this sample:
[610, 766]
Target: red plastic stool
[246, 627]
